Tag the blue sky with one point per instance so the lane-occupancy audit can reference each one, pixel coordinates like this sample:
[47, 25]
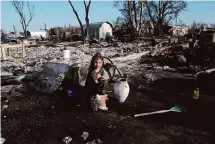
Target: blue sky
[59, 13]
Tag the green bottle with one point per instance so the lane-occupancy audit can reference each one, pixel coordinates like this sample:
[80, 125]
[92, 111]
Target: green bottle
[196, 93]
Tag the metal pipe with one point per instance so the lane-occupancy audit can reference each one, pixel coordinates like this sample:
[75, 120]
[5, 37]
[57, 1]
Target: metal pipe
[115, 67]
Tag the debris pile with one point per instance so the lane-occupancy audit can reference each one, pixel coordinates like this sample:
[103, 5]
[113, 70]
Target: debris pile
[80, 56]
[180, 55]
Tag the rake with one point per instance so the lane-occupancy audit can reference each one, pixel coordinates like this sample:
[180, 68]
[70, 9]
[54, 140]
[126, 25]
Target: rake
[175, 108]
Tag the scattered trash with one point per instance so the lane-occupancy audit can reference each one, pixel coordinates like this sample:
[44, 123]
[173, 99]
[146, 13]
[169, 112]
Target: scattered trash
[166, 67]
[69, 92]
[99, 141]
[85, 135]
[67, 139]
[95, 141]
[99, 101]
[4, 106]
[176, 108]
[111, 126]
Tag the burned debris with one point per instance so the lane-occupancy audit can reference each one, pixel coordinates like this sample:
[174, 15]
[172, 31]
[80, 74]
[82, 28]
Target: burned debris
[150, 67]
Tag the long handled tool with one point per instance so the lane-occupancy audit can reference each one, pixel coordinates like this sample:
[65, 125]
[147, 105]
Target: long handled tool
[175, 108]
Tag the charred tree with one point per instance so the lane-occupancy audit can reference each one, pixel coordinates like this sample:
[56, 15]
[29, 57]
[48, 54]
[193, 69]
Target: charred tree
[161, 12]
[19, 8]
[132, 13]
[79, 21]
[87, 7]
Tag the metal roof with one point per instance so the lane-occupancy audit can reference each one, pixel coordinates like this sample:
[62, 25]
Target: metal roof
[98, 24]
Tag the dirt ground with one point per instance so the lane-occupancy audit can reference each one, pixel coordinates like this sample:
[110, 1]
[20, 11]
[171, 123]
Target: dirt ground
[37, 118]
[33, 117]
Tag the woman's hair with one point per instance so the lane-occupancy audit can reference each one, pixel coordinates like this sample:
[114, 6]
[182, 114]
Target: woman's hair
[94, 58]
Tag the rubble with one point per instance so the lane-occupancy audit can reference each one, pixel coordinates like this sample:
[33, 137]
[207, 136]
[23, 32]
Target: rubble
[95, 141]
[80, 56]
[4, 107]
[206, 81]
[85, 135]
[67, 139]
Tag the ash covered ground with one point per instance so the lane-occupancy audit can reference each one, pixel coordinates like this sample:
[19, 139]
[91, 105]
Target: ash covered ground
[32, 117]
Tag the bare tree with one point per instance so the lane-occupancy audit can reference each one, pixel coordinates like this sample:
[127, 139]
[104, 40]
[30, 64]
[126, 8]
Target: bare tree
[132, 12]
[160, 12]
[198, 26]
[19, 7]
[118, 22]
[14, 29]
[87, 7]
[141, 17]
[212, 25]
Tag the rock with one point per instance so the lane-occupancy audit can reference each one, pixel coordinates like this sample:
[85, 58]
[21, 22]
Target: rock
[181, 59]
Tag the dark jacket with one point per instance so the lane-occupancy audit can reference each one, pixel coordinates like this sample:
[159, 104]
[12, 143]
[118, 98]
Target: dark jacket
[94, 85]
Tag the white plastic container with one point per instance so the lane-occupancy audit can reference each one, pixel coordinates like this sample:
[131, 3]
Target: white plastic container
[121, 90]
[66, 54]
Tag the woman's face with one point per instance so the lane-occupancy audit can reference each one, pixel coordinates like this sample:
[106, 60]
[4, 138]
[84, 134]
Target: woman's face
[98, 63]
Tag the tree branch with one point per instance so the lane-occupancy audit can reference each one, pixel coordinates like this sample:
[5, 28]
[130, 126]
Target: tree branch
[77, 16]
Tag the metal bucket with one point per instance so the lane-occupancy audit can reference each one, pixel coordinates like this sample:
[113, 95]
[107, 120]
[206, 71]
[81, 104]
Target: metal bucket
[66, 54]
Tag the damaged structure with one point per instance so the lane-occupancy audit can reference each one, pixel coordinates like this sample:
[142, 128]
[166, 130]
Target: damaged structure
[39, 33]
[100, 30]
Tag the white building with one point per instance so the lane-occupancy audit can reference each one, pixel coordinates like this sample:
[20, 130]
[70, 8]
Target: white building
[39, 33]
[100, 30]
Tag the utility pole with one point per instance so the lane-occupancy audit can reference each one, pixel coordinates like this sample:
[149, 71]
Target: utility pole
[14, 29]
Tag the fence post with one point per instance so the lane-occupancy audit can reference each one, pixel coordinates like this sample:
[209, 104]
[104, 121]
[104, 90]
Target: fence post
[23, 49]
[3, 52]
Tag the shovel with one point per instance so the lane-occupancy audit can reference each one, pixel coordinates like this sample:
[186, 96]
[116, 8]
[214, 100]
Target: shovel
[175, 108]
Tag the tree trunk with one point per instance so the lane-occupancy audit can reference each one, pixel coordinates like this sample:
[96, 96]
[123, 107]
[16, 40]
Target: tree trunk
[87, 20]
[88, 29]
[135, 17]
[160, 32]
[25, 32]
[141, 16]
[15, 31]
[130, 18]
[79, 21]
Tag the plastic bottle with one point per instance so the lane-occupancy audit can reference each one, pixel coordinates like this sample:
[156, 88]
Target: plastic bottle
[196, 93]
